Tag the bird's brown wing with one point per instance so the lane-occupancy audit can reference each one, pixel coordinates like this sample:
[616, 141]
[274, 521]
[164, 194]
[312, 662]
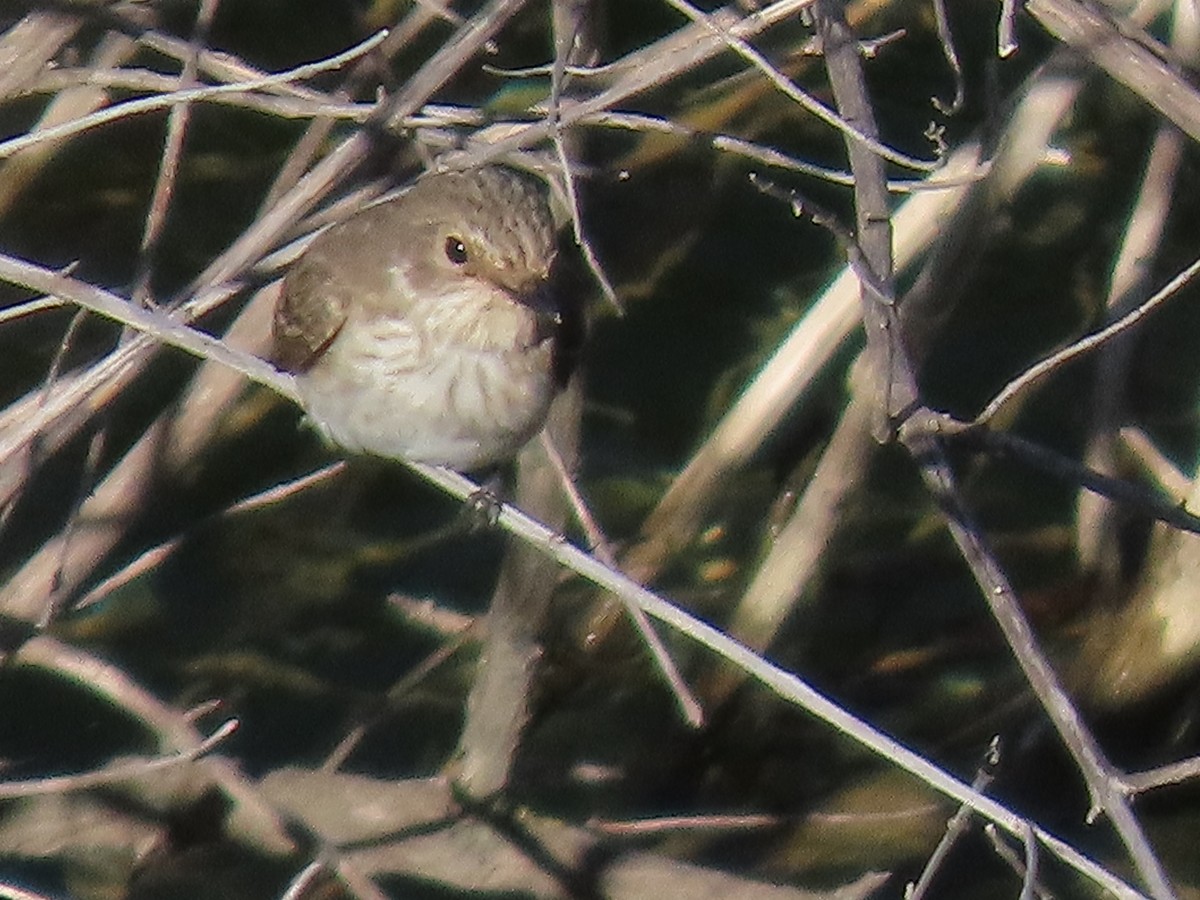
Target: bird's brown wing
[310, 313]
[346, 263]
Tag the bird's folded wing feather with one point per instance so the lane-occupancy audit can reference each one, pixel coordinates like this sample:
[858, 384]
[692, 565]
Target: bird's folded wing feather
[346, 264]
[309, 315]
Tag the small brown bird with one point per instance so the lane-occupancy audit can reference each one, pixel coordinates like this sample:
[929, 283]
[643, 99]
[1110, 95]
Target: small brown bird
[425, 327]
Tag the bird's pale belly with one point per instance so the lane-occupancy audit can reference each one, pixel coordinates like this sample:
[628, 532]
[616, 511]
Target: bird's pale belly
[394, 395]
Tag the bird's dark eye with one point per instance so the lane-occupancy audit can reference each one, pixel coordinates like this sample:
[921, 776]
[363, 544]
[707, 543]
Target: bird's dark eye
[456, 250]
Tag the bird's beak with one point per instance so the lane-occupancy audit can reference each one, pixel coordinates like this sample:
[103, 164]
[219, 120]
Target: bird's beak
[541, 299]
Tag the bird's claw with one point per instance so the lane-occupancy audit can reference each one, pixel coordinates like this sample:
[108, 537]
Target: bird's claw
[482, 508]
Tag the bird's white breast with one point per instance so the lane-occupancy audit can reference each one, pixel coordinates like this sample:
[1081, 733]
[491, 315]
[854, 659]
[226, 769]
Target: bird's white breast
[396, 387]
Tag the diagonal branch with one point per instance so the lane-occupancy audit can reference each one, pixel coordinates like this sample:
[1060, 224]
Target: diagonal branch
[896, 381]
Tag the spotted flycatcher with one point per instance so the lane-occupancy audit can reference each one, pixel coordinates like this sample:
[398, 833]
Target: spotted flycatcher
[425, 326]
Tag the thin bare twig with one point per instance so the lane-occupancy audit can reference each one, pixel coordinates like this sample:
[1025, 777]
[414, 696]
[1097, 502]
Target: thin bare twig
[689, 706]
[956, 827]
[1035, 374]
[312, 142]
[168, 169]
[946, 39]
[843, 124]
[769, 156]
[29, 307]
[1134, 497]
[1029, 886]
[165, 328]
[563, 51]
[56, 599]
[117, 772]
[1163, 776]
[261, 100]
[468, 634]
[215, 64]
[166, 445]
[684, 824]
[176, 98]
[304, 879]
[170, 727]
[1006, 29]
[440, 9]
[147, 560]
[34, 448]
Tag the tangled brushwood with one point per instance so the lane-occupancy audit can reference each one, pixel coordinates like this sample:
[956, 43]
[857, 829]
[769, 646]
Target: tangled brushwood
[598, 448]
